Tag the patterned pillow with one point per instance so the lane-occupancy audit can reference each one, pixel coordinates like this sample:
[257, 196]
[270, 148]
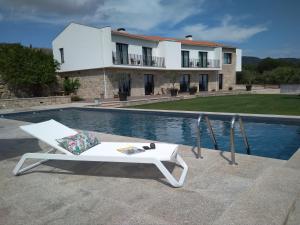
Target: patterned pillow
[78, 143]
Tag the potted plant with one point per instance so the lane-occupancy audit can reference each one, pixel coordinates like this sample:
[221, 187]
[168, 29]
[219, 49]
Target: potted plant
[173, 90]
[193, 90]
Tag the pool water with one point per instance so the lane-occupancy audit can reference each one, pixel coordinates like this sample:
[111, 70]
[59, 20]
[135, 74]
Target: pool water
[274, 140]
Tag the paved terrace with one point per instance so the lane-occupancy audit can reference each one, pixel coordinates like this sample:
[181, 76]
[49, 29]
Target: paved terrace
[256, 191]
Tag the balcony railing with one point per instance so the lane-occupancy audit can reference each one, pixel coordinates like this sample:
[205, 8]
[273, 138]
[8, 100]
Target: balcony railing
[196, 63]
[138, 60]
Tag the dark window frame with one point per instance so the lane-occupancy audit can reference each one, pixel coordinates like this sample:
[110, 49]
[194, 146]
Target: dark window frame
[147, 56]
[203, 59]
[122, 56]
[62, 55]
[185, 83]
[185, 61]
[227, 58]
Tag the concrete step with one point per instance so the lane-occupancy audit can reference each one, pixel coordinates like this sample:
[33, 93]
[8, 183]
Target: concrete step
[269, 201]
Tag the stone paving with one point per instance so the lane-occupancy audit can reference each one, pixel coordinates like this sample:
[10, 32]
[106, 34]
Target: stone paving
[256, 191]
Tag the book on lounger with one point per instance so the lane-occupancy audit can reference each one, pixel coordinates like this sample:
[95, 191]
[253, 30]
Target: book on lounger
[129, 150]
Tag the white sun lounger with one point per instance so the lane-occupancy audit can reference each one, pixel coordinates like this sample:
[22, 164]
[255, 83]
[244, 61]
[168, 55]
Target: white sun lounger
[51, 130]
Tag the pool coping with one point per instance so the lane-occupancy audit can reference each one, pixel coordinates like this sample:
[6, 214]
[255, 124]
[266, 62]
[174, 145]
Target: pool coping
[181, 113]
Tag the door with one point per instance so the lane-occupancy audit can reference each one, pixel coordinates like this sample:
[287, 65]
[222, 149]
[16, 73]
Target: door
[203, 59]
[125, 83]
[185, 83]
[122, 53]
[203, 82]
[185, 58]
[220, 81]
[149, 84]
[147, 56]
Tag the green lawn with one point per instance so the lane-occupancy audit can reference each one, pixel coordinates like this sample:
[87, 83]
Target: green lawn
[253, 103]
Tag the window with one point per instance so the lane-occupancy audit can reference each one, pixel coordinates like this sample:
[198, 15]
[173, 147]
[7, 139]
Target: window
[202, 60]
[227, 58]
[147, 56]
[122, 53]
[185, 58]
[62, 57]
[220, 81]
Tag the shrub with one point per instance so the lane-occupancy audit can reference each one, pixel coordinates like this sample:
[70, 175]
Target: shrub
[76, 98]
[71, 85]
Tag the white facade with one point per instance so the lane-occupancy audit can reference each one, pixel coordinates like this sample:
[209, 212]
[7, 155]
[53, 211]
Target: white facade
[87, 47]
[238, 64]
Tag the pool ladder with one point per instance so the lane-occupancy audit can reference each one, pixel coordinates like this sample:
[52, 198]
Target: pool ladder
[234, 119]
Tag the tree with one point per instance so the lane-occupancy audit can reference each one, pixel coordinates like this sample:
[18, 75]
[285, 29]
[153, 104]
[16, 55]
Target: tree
[283, 75]
[27, 71]
[246, 77]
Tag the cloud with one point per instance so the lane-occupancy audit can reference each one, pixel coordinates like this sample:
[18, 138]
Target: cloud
[226, 31]
[139, 15]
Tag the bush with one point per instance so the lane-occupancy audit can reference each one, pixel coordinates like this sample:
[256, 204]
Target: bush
[75, 98]
[71, 85]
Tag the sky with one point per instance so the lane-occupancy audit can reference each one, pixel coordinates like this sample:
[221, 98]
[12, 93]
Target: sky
[261, 28]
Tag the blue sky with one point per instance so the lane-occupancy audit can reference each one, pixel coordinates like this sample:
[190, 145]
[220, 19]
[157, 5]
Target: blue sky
[260, 27]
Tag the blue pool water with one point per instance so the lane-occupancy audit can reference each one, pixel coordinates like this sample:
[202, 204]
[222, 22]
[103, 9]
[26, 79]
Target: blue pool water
[275, 140]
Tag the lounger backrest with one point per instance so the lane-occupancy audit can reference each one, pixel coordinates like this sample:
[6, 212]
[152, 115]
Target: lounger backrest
[48, 132]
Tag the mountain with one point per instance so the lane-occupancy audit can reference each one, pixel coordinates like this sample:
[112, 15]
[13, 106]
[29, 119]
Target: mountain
[251, 60]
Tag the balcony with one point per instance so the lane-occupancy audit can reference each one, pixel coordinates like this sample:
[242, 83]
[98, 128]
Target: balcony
[196, 63]
[138, 60]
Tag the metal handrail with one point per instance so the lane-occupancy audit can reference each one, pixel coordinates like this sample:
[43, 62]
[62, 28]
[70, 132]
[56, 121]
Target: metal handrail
[138, 60]
[242, 129]
[212, 134]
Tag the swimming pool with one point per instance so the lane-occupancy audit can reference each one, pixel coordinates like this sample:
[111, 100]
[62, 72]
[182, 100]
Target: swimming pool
[269, 139]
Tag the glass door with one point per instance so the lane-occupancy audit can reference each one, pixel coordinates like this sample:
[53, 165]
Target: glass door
[185, 83]
[203, 59]
[125, 83]
[185, 58]
[203, 82]
[147, 56]
[149, 84]
[122, 53]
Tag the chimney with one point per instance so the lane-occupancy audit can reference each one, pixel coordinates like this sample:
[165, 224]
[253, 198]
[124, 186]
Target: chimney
[121, 29]
[189, 37]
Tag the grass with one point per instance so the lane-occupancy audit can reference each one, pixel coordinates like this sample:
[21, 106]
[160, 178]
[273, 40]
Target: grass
[252, 103]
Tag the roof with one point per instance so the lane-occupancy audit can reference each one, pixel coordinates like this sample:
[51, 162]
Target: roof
[159, 38]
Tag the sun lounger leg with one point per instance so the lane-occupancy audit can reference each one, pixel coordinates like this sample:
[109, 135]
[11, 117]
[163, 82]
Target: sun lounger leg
[169, 176]
[18, 168]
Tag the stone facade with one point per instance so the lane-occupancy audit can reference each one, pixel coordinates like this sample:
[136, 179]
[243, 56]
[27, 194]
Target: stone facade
[92, 82]
[229, 70]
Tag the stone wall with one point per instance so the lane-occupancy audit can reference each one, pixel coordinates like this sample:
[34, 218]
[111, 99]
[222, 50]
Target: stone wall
[29, 102]
[228, 70]
[92, 81]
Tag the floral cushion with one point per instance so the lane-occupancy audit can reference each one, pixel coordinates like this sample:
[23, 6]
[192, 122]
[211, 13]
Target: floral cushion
[78, 143]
